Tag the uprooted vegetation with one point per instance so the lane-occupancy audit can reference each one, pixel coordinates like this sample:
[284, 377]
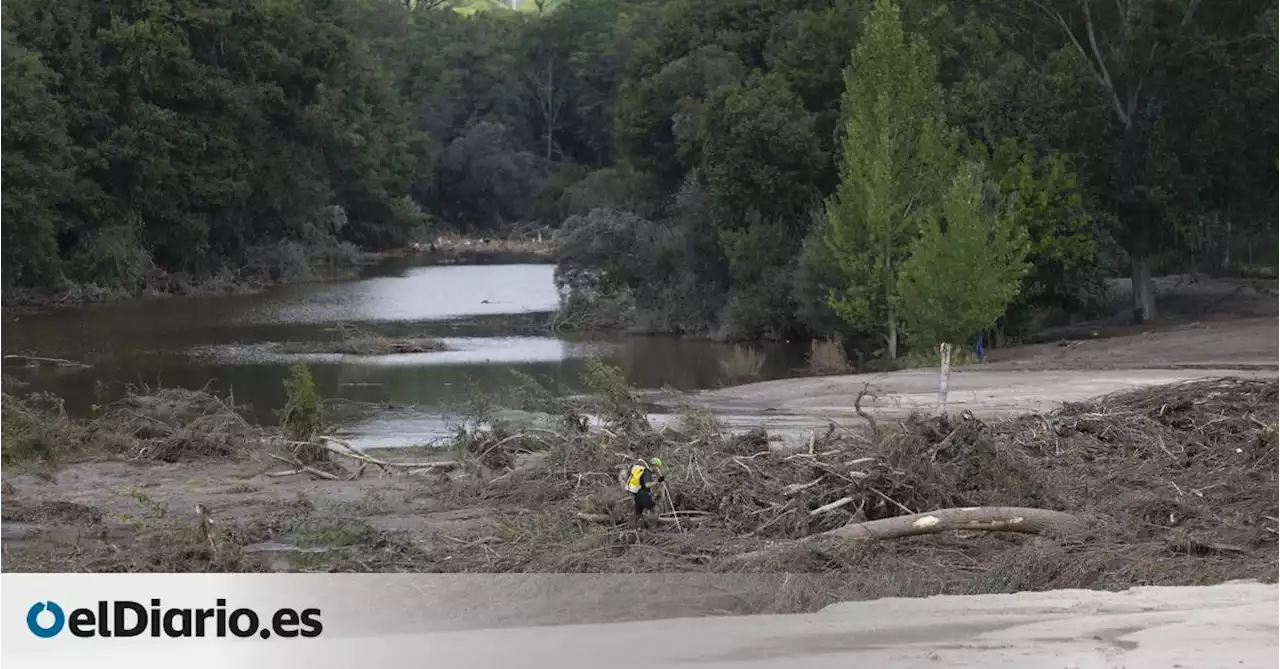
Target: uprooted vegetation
[351, 339]
[1164, 485]
[169, 425]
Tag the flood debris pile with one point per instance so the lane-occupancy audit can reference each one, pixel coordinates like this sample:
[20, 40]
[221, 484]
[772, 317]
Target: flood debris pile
[174, 424]
[1169, 484]
[1164, 485]
[349, 339]
[168, 425]
[34, 428]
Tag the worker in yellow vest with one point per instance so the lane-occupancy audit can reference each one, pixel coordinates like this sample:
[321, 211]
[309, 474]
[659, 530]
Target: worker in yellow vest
[639, 481]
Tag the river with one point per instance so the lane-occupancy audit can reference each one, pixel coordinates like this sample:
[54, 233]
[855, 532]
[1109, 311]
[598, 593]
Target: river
[229, 344]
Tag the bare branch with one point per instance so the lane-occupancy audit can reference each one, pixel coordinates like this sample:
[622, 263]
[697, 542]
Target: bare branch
[1191, 10]
[857, 407]
[1059, 19]
[1102, 67]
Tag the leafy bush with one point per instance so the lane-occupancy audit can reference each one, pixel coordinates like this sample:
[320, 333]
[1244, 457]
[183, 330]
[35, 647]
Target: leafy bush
[302, 417]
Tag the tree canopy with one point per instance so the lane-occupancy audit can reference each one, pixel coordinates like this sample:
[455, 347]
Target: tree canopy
[764, 168]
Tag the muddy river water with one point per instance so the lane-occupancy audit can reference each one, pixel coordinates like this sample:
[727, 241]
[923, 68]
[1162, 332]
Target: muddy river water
[486, 314]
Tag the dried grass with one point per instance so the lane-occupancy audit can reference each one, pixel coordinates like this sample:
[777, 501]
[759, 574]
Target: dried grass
[743, 364]
[826, 357]
[173, 425]
[355, 340]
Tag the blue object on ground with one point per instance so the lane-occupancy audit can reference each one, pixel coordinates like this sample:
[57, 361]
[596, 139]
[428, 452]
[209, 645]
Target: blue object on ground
[978, 348]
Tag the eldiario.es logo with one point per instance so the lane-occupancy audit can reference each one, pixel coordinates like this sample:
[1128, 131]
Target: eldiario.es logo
[124, 618]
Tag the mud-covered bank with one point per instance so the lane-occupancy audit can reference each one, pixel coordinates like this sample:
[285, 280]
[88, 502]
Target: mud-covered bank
[1160, 485]
[301, 265]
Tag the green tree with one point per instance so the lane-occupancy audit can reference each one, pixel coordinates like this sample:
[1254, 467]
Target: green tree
[967, 265]
[754, 146]
[1131, 83]
[647, 107]
[36, 167]
[897, 151]
[1061, 234]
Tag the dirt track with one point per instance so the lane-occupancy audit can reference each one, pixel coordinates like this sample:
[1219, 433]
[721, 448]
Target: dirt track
[1021, 379]
[808, 403]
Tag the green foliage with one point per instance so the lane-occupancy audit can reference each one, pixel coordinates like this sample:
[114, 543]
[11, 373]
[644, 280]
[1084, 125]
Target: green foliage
[155, 508]
[529, 394]
[967, 265]
[302, 417]
[478, 406]
[35, 430]
[745, 178]
[615, 400]
[753, 144]
[36, 166]
[651, 109]
[896, 151]
[1063, 239]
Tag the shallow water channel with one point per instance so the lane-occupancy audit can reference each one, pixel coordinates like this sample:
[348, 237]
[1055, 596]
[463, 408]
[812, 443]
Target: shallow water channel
[486, 315]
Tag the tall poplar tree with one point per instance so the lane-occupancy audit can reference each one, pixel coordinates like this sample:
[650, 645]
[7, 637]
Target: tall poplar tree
[897, 156]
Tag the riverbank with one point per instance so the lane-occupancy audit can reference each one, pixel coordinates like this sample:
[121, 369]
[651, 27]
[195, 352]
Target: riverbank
[1171, 485]
[1181, 300]
[456, 250]
[290, 264]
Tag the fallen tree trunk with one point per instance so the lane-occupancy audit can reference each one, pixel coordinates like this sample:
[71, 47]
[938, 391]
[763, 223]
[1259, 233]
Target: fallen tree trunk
[979, 518]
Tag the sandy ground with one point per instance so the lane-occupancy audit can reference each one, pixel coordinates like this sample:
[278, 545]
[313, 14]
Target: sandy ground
[1230, 625]
[1208, 327]
[791, 408]
[1225, 626]
[983, 391]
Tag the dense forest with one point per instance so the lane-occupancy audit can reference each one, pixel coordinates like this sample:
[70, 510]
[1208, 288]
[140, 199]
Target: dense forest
[916, 170]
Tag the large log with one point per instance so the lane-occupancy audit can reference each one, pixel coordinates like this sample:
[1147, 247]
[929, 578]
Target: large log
[979, 518]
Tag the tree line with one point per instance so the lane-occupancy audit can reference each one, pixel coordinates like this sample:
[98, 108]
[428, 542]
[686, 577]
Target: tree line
[927, 170]
[907, 171]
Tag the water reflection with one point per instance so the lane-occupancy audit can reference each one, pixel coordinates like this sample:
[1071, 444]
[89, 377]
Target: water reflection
[232, 345]
[424, 293]
[459, 350]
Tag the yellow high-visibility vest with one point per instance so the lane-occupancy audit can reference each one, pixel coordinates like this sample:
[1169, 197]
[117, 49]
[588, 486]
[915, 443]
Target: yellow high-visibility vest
[633, 482]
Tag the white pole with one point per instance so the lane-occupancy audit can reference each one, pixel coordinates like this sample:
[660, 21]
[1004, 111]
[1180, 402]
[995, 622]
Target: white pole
[944, 375]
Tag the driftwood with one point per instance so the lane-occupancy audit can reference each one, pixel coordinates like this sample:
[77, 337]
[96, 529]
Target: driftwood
[832, 506]
[975, 518]
[206, 526]
[344, 449]
[979, 518]
[300, 468]
[61, 362]
[944, 376]
[857, 407]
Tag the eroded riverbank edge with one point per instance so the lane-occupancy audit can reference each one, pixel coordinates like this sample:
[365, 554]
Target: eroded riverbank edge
[245, 281]
[104, 498]
[103, 514]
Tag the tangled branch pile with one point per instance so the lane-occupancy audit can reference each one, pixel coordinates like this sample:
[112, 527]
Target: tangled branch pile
[1170, 484]
[174, 424]
[355, 340]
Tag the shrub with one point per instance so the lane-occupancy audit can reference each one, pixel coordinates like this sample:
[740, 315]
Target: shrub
[744, 364]
[826, 356]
